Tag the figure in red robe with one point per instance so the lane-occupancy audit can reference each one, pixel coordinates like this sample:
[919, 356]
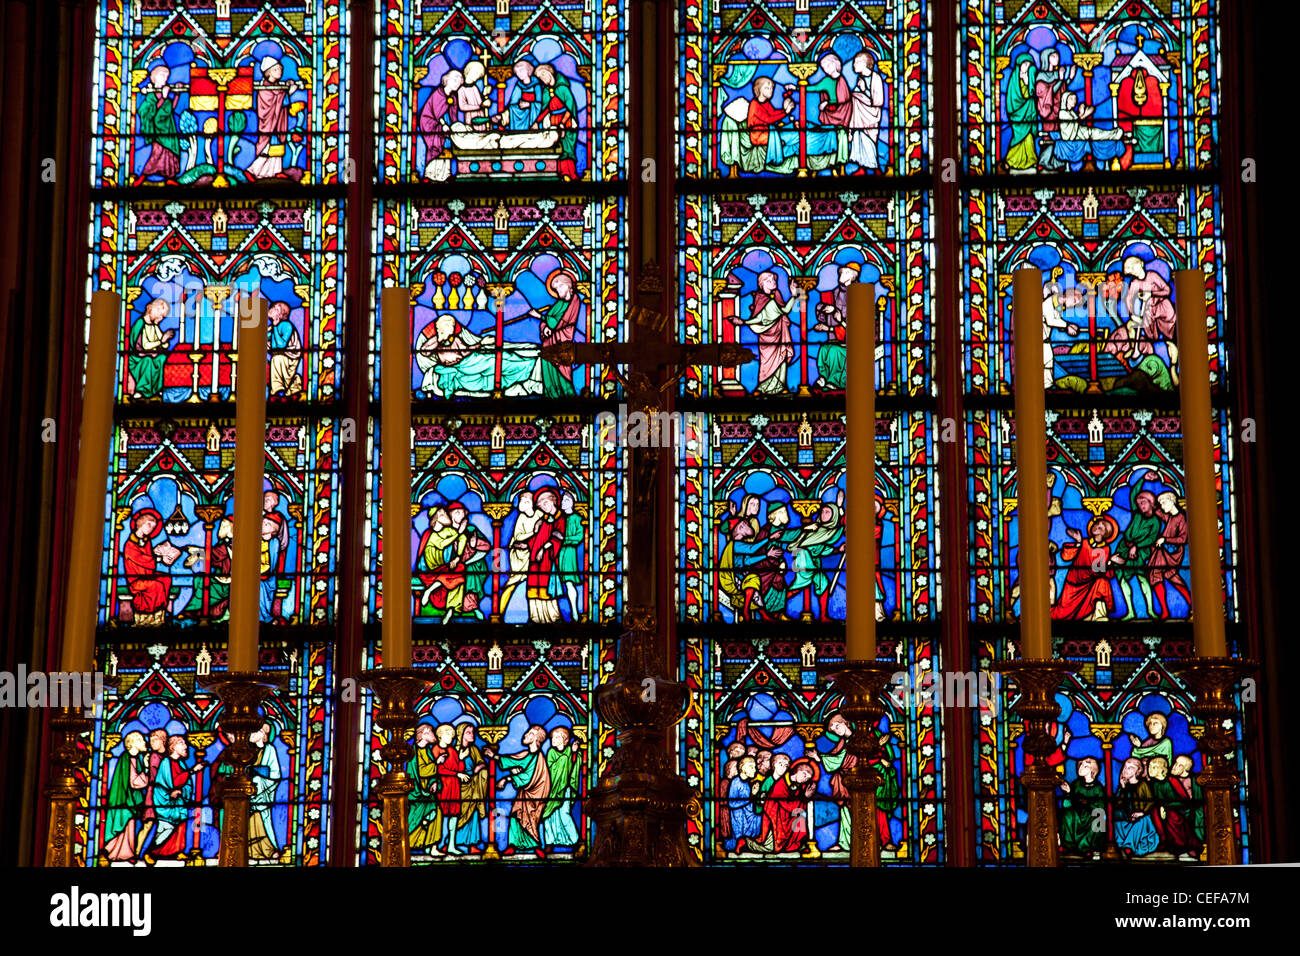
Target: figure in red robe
[1085, 586]
[548, 536]
[149, 590]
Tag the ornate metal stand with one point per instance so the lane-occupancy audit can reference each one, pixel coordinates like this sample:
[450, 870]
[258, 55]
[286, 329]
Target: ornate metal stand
[65, 788]
[241, 694]
[640, 804]
[1038, 681]
[863, 684]
[396, 690]
[1215, 680]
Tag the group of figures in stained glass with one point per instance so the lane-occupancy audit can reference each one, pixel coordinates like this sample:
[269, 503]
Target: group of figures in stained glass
[158, 754]
[517, 519]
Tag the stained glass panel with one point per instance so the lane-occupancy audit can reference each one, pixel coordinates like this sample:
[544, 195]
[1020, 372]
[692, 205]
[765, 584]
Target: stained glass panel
[1118, 526]
[773, 274]
[507, 745]
[157, 751]
[513, 518]
[524, 89]
[167, 545]
[1107, 255]
[1090, 84]
[495, 281]
[1126, 756]
[193, 93]
[799, 87]
[182, 269]
[761, 520]
[765, 742]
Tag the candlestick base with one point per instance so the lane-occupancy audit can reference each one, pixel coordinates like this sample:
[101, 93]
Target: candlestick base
[1214, 680]
[640, 805]
[65, 789]
[396, 691]
[863, 684]
[1038, 680]
[241, 694]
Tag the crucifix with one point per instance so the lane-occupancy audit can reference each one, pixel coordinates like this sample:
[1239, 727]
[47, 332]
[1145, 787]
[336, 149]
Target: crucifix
[640, 804]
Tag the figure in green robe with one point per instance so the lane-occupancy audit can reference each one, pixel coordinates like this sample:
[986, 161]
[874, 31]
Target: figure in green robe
[147, 353]
[564, 765]
[1022, 114]
[156, 116]
[1134, 548]
[126, 799]
[561, 113]
[423, 821]
[1084, 796]
[568, 567]
[1157, 743]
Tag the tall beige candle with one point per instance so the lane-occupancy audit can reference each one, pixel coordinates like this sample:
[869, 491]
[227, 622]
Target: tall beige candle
[81, 605]
[1034, 563]
[250, 465]
[1198, 465]
[395, 391]
[860, 520]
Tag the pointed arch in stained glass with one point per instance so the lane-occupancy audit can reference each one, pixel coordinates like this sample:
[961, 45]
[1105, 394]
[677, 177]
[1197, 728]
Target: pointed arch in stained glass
[167, 543]
[520, 90]
[189, 93]
[1075, 86]
[1108, 255]
[803, 87]
[506, 715]
[493, 281]
[764, 741]
[761, 518]
[182, 269]
[1116, 501]
[772, 273]
[155, 751]
[492, 496]
[1126, 750]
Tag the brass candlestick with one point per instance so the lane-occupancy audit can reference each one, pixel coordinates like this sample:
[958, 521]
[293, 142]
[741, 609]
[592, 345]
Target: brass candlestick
[241, 694]
[863, 685]
[65, 789]
[641, 805]
[1214, 680]
[396, 691]
[1037, 680]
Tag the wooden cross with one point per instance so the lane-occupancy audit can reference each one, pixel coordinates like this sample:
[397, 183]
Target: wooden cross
[646, 360]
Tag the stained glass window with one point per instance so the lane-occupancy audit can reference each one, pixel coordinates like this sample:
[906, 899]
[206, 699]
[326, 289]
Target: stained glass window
[1116, 501]
[503, 183]
[1126, 751]
[218, 172]
[1109, 86]
[500, 713]
[803, 87]
[160, 733]
[488, 493]
[743, 256]
[494, 281]
[1107, 255]
[511, 90]
[183, 267]
[219, 95]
